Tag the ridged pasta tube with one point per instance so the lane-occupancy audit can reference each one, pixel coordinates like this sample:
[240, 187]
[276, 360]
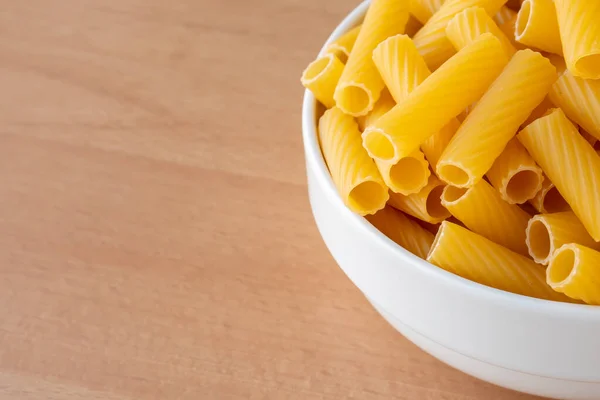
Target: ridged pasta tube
[352, 170]
[537, 26]
[425, 205]
[574, 271]
[322, 76]
[570, 162]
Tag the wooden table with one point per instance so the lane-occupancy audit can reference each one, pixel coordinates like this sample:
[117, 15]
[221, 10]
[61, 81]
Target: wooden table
[156, 240]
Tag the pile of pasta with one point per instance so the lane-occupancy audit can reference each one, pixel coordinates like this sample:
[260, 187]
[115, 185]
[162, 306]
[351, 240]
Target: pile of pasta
[467, 131]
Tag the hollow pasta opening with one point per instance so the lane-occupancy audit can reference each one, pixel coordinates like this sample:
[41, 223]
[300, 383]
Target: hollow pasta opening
[562, 266]
[368, 196]
[454, 175]
[340, 52]
[538, 237]
[378, 145]
[353, 100]
[434, 203]
[409, 174]
[523, 19]
[554, 202]
[316, 68]
[453, 193]
[589, 66]
[523, 186]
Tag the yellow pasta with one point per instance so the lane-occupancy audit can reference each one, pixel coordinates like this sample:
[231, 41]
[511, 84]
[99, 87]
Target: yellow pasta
[425, 205]
[547, 232]
[515, 174]
[383, 105]
[574, 270]
[579, 33]
[424, 9]
[439, 99]
[548, 199]
[504, 15]
[322, 76]
[471, 256]
[570, 162]
[537, 26]
[471, 23]
[355, 174]
[589, 138]
[436, 144]
[342, 47]
[496, 118]
[403, 231]
[360, 84]
[431, 40]
[580, 100]
[400, 65]
[483, 211]
[409, 174]
[403, 69]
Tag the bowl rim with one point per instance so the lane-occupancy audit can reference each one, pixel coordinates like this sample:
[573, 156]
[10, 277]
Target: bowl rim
[315, 161]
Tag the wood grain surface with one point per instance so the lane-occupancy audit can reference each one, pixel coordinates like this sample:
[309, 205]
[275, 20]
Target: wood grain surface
[156, 240]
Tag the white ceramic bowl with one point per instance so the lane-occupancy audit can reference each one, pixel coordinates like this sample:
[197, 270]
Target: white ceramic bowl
[534, 346]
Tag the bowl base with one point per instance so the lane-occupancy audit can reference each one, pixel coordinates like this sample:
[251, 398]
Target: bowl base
[510, 379]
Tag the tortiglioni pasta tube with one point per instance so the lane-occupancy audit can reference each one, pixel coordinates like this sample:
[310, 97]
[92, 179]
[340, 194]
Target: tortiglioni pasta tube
[322, 76]
[579, 33]
[515, 174]
[471, 23]
[403, 231]
[537, 26]
[496, 118]
[431, 40]
[352, 170]
[425, 205]
[483, 211]
[424, 9]
[476, 258]
[439, 99]
[547, 232]
[548, 199]
[580, 100]
[403, 69]
[360, 84]
[570, 162]
[574, 271]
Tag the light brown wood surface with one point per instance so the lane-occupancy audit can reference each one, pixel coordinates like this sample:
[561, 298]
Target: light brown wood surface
[156, 240]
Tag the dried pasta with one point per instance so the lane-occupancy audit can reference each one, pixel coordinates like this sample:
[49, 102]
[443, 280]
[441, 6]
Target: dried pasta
[570, 162]
[537, 26]
[515, 174]
[471, 23]
[547, 232]
[483, 211]
[496, 118]
[425, 205]
[548, 199]
[471, 256]
[424, 9]
[403, 231]
[322, 76]
[360, 85]
[434, 103]
[578, 22]
[355, 174]
[574, 271]
[580, 100]
[431, 40]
